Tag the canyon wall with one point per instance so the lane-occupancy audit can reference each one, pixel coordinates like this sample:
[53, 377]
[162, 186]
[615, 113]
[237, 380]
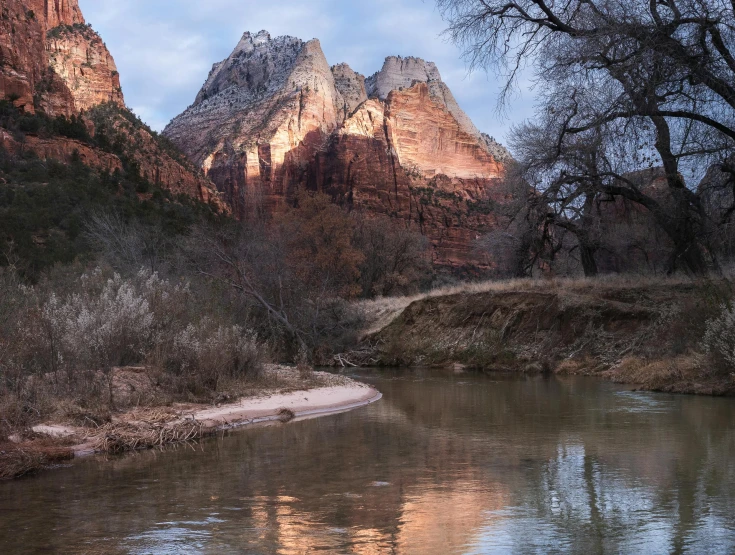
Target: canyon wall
[275, 117]
[50, 60]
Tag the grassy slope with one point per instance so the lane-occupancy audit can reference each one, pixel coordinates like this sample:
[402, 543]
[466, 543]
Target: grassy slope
[642, 331]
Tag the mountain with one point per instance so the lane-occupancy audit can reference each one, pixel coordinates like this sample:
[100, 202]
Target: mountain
[54, 64]
[50, 59]
[274, 117]
[69, 148]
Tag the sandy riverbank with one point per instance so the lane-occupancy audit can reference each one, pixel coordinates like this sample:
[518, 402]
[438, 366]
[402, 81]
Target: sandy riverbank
[156, 426]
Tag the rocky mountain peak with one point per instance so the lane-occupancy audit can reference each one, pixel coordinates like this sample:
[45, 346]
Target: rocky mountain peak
[275, 117]
[400, 73]
[351, 85]
[258, 65]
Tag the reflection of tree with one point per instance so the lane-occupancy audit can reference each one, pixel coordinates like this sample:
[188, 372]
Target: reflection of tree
[540, 462]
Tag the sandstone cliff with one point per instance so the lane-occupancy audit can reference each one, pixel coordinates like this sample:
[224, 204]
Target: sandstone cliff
[80, 58]
[25, 75]
[51, 60]
[274, 117]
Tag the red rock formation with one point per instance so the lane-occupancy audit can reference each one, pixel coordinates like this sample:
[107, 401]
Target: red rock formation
[56, 12]
[409, 158]
[80, 58]
[25, 76]
[160, 168]
[62, 150]
[272, 118]
[51, 60]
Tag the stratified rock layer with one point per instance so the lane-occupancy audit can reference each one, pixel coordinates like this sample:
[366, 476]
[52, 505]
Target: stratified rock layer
[51, 60]
[273, 117]
[80, 58]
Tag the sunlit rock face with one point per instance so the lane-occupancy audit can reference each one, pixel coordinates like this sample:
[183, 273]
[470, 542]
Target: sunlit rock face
[25, 76]
[261, 117]
[80, 58]
[57, 12]
[274, 117]
[50, 60]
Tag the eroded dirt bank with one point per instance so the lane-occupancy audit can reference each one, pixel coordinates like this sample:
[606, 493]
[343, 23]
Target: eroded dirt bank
[647, 334]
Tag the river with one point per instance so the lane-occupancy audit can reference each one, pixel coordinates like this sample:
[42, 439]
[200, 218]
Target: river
[443, 464]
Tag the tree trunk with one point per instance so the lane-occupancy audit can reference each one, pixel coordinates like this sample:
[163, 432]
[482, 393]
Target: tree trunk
[587, 256]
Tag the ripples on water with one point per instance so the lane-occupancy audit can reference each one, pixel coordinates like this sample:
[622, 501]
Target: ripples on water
[442, 465]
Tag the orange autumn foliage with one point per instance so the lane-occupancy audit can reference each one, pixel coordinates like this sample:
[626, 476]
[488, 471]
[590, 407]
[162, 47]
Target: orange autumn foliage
[319, 240]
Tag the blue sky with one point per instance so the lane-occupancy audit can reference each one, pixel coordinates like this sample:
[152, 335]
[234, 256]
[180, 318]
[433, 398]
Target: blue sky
[164, 49]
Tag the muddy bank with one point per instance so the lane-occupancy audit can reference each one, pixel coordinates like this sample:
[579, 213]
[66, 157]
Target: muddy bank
[648, 335]
[54, 442]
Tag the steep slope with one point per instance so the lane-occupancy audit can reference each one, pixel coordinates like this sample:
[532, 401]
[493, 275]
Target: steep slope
[80, 58]
[25, 75]
[51, 60]
[271, 99]
[273, 117]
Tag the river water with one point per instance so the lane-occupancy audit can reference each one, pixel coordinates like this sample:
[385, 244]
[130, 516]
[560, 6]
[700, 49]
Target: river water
[441, 465]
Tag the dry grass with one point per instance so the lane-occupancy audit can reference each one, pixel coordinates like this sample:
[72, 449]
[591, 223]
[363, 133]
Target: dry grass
[636, 329]
[133, 425]
[380, 312]
[120, 437]
[691, 373]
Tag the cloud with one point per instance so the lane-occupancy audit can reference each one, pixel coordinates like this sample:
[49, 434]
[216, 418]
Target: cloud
[164, 49]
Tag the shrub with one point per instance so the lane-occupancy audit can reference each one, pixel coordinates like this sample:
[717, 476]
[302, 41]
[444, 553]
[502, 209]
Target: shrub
[94, 331]
[208, 354]
[719, 337]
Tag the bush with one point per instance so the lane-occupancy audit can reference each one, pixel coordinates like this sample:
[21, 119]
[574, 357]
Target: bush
[97, 330]
[209, 354]
[62, 340]
[719, 337]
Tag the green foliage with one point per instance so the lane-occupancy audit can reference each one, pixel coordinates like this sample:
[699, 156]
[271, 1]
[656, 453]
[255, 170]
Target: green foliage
[115, 132]
[84, 29]
[44, 204]
[40, 124]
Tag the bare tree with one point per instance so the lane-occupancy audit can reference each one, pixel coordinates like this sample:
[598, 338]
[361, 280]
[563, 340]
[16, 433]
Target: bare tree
[396, 259]
[660, 72]
[127, 246]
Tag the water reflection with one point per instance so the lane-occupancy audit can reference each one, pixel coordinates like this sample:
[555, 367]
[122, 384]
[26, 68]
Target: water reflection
[442, 465]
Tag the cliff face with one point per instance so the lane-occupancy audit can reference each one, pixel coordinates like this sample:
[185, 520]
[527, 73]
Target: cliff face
[57, 12]
[274, 117]
[80, 58]
[272, 99]
[25, 75]
[51, 60]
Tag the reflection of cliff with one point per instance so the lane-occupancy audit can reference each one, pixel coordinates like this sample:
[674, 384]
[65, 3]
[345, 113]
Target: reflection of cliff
[440, 466]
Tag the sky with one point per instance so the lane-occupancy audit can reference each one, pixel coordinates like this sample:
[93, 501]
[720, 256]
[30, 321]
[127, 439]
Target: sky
[164, 49]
